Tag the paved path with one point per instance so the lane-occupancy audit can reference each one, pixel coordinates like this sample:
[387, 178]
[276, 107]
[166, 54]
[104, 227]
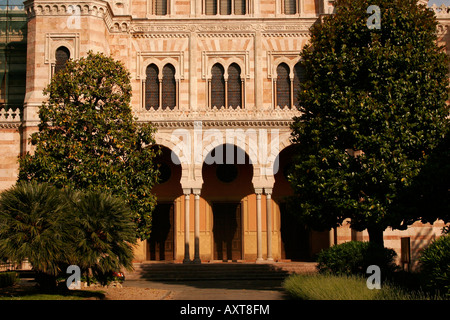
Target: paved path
[216, 289]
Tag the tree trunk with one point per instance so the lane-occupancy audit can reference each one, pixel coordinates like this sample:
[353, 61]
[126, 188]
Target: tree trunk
[376, 235]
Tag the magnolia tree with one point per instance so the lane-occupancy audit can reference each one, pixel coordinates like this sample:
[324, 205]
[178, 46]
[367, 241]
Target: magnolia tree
[89, 140]
[373, 111]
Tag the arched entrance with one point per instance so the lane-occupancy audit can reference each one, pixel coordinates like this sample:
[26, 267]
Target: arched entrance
[161, 245]
[227, 175]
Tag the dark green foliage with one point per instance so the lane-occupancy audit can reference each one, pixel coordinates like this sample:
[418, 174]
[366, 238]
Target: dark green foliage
[353, 258]
[373, 112]
[8, 278]
[103, 234]
[55, 228]
[429, 195]
[435, 264]
[33, 224]
[89, 140]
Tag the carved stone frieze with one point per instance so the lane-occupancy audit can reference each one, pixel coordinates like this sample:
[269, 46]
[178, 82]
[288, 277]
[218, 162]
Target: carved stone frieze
[223, 117]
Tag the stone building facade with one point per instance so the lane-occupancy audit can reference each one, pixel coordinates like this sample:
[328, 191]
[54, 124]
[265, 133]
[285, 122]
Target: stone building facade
[218, 79]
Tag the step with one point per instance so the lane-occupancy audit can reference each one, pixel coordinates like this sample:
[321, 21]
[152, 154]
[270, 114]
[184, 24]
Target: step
[215, 271]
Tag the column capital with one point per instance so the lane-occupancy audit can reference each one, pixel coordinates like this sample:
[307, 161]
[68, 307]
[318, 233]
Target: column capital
[268, 191]
[187, 191]
[196, 191]
[258, 191]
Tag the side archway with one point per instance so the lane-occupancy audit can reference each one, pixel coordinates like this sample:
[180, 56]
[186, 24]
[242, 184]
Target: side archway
[298, 241]
[161, 244]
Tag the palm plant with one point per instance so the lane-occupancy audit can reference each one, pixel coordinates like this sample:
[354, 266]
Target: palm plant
[33, 220]
[104, 233]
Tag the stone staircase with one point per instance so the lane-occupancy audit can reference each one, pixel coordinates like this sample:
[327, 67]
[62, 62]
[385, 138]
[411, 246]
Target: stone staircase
[166, 271]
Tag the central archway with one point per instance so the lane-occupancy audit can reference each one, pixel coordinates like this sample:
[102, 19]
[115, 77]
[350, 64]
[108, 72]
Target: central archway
[227, 174]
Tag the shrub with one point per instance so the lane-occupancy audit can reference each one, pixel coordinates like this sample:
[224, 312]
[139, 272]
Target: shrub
[32, 226]
[55, 228]
[8, 278]
[435, 264]
[104, 234]
[354, 257]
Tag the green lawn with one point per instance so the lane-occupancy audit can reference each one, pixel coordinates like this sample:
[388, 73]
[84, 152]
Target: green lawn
[18, 292]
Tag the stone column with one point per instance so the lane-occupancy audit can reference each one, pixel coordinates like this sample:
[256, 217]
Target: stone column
[333, 236]
[186, 193]
[259, 257]
[268, 192]
[197, 225]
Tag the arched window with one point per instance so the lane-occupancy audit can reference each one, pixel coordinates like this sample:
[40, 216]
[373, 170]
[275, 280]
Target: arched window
[299, 77]
[62, 55]
[169, 87]
[217, 86]
[152, 87]
[290, 6]
[283, 87]
[234, 92]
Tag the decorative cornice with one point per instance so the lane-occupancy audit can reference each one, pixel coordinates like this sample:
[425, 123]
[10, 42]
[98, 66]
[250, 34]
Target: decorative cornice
[205, 29]
[226, 35]
[170, 26]
[441, 11]
[235, 124]
[236, 118]
[160, 35]
[285, 34]
[10, 118]
[11, 125]
[95, 8]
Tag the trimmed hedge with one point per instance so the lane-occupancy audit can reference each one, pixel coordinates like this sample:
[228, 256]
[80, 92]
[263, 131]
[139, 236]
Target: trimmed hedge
[353, 258]
[435, 265]
[8, 278]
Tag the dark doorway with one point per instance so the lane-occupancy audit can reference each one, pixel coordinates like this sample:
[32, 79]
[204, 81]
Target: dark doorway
[227, 231]
[295, 237]
[161, 242]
